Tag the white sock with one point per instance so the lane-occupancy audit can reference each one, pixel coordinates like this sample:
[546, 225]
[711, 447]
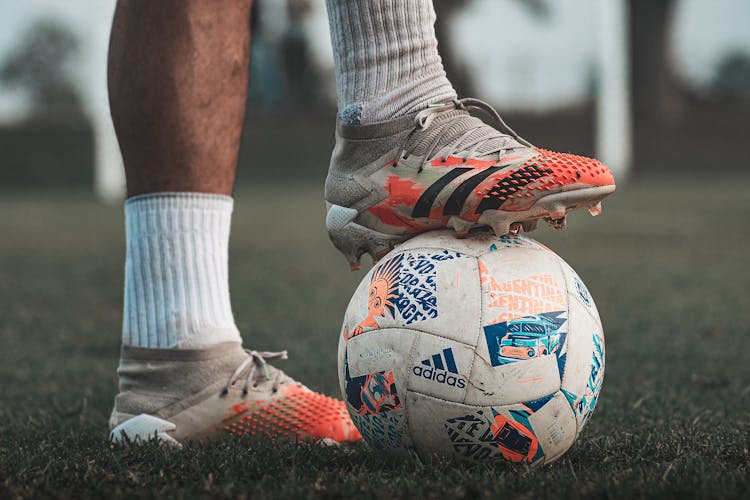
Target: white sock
[176, 279]
[386, 58]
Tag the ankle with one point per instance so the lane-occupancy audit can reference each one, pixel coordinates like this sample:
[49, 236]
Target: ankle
[150, 380]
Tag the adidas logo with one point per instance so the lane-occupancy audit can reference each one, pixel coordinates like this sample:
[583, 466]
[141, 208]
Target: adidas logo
[439, 368]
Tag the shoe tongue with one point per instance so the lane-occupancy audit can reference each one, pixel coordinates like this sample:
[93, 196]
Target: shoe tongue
[450, 125]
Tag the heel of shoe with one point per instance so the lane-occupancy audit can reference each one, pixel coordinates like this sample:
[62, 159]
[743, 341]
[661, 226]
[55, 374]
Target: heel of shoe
[354, 240]
[142, 428]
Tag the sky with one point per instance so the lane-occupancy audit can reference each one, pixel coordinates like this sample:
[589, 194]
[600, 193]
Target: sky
[525, 63]
[530, 63]
[90, 19]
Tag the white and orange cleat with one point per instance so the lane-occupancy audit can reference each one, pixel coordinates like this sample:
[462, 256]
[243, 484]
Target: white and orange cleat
[180, 395]
[444, 168]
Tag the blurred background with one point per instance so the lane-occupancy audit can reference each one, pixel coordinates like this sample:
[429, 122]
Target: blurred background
[658, 89]
[674, 73]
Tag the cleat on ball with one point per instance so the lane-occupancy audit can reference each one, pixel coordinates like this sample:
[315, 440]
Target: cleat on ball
[445, 168]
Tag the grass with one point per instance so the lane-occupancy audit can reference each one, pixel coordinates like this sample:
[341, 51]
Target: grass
[667, 264]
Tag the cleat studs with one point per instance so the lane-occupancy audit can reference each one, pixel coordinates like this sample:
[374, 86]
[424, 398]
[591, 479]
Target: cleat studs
[557, 212]
[558, 223]
[516, 228]
[460, 226]
[595, 209]
[497, 220]
[500, 228]
[354, 241]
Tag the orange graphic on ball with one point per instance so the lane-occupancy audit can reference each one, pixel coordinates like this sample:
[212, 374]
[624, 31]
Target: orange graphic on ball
[380, 297]
[520, 297]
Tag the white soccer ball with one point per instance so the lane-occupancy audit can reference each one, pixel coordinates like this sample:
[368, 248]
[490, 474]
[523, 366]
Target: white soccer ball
[486, 349]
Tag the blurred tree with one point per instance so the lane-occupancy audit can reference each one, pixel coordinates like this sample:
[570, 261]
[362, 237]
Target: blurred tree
[656, 95]
[733, 76]
[42, 65]
[267, 79]
[457, 72]
[538, 8]
[655, 91]
[303, 86]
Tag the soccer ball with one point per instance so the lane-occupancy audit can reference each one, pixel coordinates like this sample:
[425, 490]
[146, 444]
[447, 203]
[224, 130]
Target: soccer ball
[486, 349]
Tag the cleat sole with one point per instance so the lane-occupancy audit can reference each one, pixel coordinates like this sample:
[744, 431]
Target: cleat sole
[552, 208]
[355, 240]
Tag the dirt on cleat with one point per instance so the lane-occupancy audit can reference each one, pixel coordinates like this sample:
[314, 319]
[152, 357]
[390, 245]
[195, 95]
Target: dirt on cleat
[557, 223]
[558, 212]
[460, 226]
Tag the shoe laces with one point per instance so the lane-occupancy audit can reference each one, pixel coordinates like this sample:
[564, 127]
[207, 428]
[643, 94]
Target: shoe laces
[255, 369]
[450, 123]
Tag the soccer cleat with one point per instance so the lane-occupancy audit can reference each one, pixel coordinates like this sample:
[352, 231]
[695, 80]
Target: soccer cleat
[208, 394]
[442, 167]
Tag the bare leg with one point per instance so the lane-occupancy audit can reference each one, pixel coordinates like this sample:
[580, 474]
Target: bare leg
[178, 76]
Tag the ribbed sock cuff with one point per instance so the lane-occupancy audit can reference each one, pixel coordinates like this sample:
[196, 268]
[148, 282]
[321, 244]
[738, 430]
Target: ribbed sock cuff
[386, 58]
[176, 271]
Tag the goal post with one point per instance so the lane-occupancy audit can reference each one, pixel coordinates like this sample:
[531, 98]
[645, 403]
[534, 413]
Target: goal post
[109, 176]
[614, 143]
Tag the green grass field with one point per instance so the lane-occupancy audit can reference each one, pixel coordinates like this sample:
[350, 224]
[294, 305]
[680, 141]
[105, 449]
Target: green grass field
[667, 264]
